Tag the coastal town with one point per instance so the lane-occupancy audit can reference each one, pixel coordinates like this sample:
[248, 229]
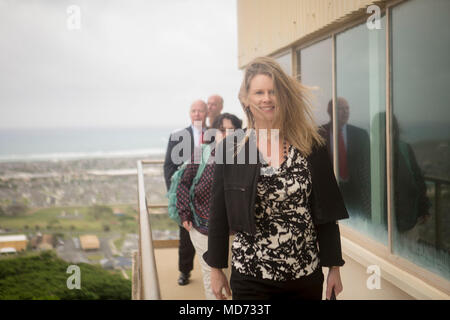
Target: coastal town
[85, 210]
[77, 182]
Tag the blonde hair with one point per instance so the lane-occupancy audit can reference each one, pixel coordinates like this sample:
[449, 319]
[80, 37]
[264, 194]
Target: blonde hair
[294, 118]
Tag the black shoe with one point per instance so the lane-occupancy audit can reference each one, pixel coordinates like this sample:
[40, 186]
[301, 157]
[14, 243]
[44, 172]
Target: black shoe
[184, 278]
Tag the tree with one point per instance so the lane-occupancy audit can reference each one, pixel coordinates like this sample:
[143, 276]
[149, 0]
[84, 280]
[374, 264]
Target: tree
[45, 277]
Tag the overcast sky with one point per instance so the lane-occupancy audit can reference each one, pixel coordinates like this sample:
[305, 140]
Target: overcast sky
[130, 63]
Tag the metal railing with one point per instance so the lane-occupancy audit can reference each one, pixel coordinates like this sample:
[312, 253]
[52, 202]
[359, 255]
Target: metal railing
[438, 184]
[145, 283]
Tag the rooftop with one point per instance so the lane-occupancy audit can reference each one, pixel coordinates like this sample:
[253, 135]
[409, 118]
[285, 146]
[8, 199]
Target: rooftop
[89, 242]
[11, 238]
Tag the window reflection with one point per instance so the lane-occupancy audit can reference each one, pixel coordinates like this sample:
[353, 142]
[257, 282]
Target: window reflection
[411, 202]
[353, 160]
[361, 94]
[421, 133]
[285, 62]
[420, 140]
[315, 67]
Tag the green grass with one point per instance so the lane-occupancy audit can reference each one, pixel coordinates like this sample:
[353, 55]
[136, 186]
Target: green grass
[162, 222]
[119, 242]
[50, 220]
[98, 220]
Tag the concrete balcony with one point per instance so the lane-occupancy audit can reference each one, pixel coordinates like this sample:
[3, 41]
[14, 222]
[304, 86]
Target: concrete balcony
[353, 274]
[155, 268]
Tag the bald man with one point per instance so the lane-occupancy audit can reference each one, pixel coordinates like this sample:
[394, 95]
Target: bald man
[215, 106]
[189, 138]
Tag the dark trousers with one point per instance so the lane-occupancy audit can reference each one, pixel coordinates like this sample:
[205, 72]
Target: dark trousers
[246, 287]
[186, 252]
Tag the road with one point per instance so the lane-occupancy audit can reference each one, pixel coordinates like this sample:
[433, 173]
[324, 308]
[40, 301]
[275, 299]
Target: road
[69, 252]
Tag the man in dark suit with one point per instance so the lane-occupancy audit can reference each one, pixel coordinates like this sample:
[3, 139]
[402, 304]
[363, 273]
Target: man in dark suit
[179, 149]
[353, 159]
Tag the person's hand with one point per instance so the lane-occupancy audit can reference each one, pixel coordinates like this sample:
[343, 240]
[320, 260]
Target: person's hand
[333, 281]
[218, 282]
[187, 225]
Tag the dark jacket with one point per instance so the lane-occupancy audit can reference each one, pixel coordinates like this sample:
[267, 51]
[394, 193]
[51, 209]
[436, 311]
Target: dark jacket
[184, 141]
[356, 191]
[175, 138]
[411, 201]
[233, 203]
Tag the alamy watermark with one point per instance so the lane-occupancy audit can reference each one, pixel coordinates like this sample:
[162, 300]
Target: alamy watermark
[74, 281]
[73, 18]
[374, 21]
[232, 152]
[374, 281]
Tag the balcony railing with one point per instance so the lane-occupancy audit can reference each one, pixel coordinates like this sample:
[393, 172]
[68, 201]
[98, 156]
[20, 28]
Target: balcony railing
[145, 276]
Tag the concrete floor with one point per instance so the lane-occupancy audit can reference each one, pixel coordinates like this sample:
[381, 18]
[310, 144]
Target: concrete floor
[167, 268]
[354, 278]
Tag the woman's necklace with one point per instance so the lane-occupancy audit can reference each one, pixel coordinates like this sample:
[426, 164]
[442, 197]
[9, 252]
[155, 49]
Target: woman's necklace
[285, 153]
[271, 170]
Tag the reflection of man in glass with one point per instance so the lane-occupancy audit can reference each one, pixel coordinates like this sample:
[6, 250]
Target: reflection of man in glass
[410, 192]
[353, 158]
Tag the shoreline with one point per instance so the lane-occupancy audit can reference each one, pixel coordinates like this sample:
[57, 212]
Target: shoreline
[69, 156]
[97, 173]
[124, 165]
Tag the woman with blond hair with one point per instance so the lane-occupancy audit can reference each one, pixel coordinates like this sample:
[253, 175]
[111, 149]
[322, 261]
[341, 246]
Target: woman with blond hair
[283, 207]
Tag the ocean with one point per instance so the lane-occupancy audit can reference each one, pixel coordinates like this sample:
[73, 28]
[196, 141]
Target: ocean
[81, 143]
[86, 143]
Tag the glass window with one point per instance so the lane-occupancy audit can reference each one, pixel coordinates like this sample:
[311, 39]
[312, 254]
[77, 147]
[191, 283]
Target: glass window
[285, 61]
[361, 95]
[315, 69]
[421, 133]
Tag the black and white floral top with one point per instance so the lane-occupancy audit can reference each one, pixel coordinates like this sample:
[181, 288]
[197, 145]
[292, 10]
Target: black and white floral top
[285, 244]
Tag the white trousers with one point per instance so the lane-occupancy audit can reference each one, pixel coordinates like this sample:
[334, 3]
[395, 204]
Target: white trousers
[200, 242]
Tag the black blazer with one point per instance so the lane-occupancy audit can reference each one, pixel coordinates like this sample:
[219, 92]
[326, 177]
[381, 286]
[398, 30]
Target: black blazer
[169, 166]
[233, 202]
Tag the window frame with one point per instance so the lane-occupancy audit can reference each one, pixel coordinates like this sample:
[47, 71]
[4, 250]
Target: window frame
[379, 249]
[283, 53]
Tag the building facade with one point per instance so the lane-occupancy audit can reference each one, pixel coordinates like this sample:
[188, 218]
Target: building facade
[379, 73]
